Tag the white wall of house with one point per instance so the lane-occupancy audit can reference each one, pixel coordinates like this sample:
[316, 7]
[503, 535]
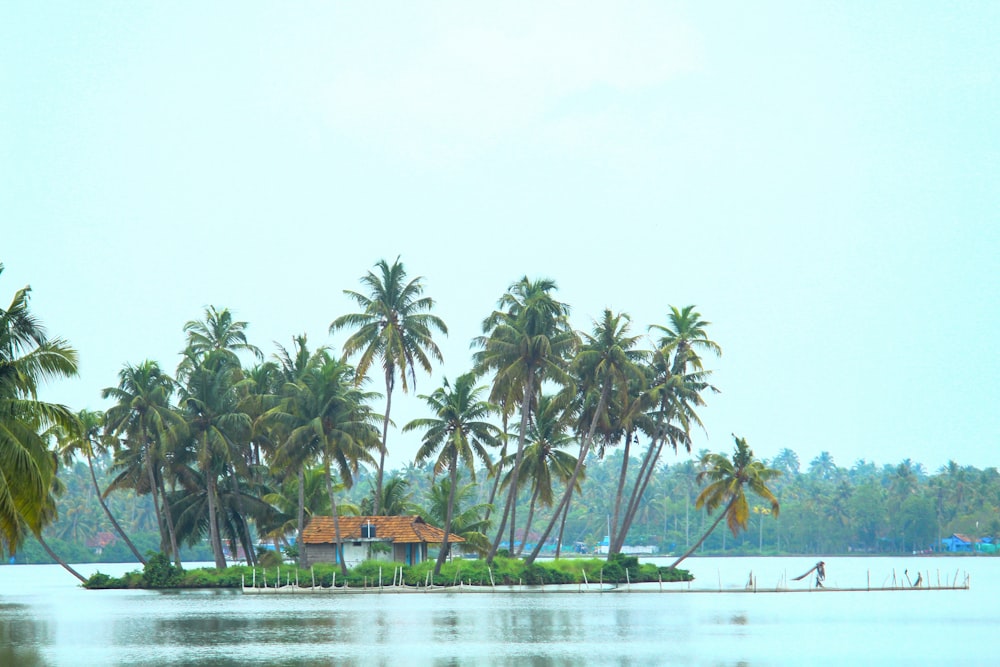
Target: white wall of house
[358, 552]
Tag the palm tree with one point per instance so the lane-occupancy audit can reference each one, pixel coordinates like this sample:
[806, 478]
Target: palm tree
[544, 460]
[527, 341]
[216, 333]
[467, 518]
[142, 417]
[89, 440]
[218, 431]
[458, 433]
[675, 389]
[394, 327]
[684, 336]
[606, 364]
[326, 417]
[27, 358]
[727, 479]
[397, 499]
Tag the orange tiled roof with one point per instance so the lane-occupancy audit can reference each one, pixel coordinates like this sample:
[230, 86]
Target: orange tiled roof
[397, 529]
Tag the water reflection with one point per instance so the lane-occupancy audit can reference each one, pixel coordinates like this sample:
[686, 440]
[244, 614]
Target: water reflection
[22, 635]
[55, 626]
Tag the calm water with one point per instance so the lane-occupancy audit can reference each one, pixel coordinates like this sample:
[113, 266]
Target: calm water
[45, 619]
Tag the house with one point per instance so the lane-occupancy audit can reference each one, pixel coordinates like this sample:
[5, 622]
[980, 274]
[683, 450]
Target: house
[959, 543]
[400, 539]
[99, 542]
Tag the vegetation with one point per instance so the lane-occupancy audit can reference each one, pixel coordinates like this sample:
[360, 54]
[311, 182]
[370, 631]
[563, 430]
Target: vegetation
[160, 573]
[235, 449]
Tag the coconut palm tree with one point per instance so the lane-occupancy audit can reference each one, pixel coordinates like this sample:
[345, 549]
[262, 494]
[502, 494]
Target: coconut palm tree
[683, 336]
[467, 517]
[526, 341]
[545, 462]
[674, 391]
[28, 357]
[218, 332]
[87, 438]
[394, 327]
[457, 435]
[605, 365]
[326, 416]
[142, 417]
[397, 499]
[728, 479]
[218, 432]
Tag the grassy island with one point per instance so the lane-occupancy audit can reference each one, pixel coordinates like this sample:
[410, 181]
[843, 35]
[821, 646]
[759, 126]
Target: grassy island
[160, 574]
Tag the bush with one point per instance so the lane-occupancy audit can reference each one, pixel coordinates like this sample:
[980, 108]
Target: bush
[159, 572]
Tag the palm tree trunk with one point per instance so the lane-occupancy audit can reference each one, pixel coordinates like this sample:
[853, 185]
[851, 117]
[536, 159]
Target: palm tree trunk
[336, 518]
[245, 537]
[301, 514]
[213, 523]
[641, 483]
[382, 448]
[617, 536]
[526, 398]
[708, 532]
[496, 477]
[54, 556]
[562, 529]
[107, 511]
[453, 479]
[584, 451]
[531, 513]
[171, 531]
[161, 506]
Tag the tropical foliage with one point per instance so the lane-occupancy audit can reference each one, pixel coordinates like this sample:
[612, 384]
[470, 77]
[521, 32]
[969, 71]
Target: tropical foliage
[553, 441]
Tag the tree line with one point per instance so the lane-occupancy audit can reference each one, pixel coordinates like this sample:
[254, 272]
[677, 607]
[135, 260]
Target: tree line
[231, 446]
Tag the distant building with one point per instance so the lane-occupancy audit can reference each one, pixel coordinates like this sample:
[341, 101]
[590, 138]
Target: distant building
[605, 545]
[959, 543]
[400, 539]
[98, 542]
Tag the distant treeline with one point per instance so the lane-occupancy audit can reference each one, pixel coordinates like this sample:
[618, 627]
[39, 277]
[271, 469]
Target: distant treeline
[825, 508]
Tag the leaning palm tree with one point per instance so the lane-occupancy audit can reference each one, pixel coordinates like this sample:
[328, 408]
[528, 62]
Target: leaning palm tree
[726, 489]
[88, 439]
[28, 357]
[395, 328]
[142, 417]
[457, 435]
[606, 364]
[526, 341]
[545, 462]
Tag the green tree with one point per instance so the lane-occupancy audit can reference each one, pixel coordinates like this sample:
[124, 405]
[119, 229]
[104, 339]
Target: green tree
[28, 357]
[726, 489]
[394, 327]
[457, 434]
[605, 365]
[326, 415]
[142, 417]
[219, 433]
[545, 462]
[526, 341]
[678, 381]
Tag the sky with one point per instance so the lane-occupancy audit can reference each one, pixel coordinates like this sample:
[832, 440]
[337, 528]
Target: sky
[818, 179]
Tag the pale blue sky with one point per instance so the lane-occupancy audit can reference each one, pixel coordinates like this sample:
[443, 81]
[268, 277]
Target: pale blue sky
[820, 179]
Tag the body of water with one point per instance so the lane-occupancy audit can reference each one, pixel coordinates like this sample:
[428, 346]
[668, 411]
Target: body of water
[46, 619]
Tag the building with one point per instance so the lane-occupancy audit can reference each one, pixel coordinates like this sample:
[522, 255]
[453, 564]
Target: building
[400, 539]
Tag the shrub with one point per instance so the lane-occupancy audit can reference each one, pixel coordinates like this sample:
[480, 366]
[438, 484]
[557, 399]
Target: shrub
[159, 573]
